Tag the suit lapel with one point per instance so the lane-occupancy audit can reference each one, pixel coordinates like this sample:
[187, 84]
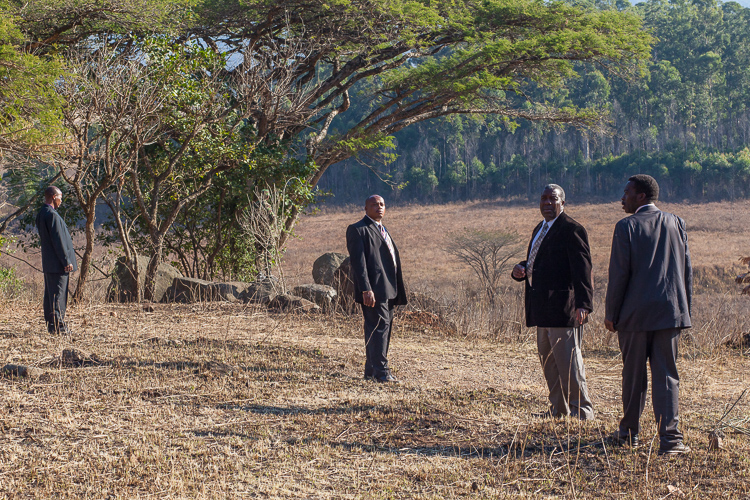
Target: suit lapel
[551, 233]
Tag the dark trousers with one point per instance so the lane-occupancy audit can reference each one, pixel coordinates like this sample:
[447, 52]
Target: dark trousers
[378, 321]
[55, 301]
[659, 349]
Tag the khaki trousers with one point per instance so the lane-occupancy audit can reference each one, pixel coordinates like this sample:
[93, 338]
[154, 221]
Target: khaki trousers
[562, 363]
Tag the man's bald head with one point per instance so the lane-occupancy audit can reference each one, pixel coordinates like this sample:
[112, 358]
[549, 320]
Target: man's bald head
[375, 207]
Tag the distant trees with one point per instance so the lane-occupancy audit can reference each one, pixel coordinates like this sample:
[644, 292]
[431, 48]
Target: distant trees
[694, 102]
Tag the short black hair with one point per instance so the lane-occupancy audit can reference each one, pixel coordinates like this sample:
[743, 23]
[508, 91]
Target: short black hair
[51, 192]
[647, 185]
[555, 187]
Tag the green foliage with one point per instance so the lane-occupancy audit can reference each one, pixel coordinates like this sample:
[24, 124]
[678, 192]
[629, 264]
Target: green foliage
[11, 286]
[29, 106]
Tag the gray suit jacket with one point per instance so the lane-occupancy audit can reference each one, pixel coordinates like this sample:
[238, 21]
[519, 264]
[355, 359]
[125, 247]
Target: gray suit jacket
[650, 276]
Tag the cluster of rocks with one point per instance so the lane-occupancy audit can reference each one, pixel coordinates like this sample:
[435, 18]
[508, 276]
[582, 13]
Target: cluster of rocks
[332, 290]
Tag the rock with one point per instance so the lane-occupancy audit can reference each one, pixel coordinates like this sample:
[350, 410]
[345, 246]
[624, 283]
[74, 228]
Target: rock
[189, 290]
[344, 286]
[290, 303]
[322, 295]
[77, 358]
[122, 288]
[325, 266]
[260, 292]
[21, 371]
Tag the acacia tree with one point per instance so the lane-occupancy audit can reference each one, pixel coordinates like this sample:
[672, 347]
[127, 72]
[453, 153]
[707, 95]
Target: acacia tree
[412, 62]
[287, 69]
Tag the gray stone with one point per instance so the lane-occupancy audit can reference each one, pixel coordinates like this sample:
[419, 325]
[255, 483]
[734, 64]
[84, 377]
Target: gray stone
[325, 266]
[290, 303]
[21, 371]
[323, 295]
[190, 290]
[260, 292]
[344, 286]
[122, 288]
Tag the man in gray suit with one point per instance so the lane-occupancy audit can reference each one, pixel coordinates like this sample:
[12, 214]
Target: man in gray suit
[648, 304]
[58, 260]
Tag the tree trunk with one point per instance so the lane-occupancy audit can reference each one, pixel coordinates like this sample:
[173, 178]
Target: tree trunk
[153, 264]
[85, 267]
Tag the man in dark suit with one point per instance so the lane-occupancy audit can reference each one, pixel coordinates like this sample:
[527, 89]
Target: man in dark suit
[58, 260]
[557, 273]
[378, 284]
[648, 304]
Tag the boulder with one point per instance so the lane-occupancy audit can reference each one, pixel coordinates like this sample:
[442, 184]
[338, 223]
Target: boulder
[21, 371]
[325, 266]
[260, 292]
[122, 288]
[323, 295]
[189, 290]
[290, 303]
[344, 286]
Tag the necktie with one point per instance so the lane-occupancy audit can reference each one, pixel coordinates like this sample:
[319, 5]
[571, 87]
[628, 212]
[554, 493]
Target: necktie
[535, 249]
[388, 242]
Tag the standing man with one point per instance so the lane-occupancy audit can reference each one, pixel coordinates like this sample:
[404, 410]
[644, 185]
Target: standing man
[558, 300]
[648, 303]
[58, 260]
[378, 284]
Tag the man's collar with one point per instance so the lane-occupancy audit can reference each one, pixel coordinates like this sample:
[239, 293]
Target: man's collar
[644, 206]
[51, 206]
[549, 223]
[376, 222]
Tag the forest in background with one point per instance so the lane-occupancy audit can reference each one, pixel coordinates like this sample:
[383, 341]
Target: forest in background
[686, 122]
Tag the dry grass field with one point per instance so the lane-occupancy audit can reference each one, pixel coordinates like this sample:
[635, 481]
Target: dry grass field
[225, 401]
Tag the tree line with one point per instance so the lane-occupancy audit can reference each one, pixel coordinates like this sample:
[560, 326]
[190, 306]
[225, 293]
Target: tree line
[686, 122]
[167, 123]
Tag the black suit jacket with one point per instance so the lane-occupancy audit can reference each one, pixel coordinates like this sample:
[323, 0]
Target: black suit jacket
[372, 265]
[57, 245]
[561, 276]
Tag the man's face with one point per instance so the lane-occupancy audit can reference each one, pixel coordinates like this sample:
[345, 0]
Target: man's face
[551, 204]
[375, 208]
[631, 200]
[57, 200]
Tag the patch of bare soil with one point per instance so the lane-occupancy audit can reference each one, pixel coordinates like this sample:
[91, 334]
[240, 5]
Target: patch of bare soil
[220, 401]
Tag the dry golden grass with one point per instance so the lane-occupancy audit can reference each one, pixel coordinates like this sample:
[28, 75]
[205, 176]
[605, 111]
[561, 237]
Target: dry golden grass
[222, 401]
[219, 401]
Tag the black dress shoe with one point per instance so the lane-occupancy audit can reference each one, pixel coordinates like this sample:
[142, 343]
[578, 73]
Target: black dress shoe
[676, 449]
[387, 378]
[545, 414]
[620, 439]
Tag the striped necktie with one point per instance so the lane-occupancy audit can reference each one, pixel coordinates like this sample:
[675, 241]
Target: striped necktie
[388, 242]
[535, 249]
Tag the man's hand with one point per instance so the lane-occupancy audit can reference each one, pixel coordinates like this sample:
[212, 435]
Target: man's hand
[609, 325]
[581, 315]
[68, 268]
[519, 272]
[368, 298]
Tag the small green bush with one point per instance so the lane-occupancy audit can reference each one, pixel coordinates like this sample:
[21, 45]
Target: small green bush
[11, 286]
